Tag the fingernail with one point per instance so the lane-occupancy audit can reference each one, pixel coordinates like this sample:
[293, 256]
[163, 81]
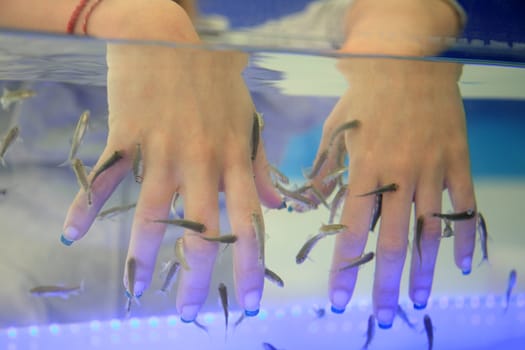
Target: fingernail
[189, 313]
[66, 241]
[70, 233]
[420, 299]
[251, 302]
[385, 317]
[283, 205]
[466, 265]
[251, 313]
[290, 209]
[339, 298]
[336, 310]
[139, 288]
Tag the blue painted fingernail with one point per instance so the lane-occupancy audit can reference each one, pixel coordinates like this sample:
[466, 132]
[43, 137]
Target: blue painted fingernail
[250, 313]
[337, 310]
[66, 241]
[465, 272]
[186, 321]
[290, 209]
[283, 205]
[384, 326]
[420, 306]
[128, 295]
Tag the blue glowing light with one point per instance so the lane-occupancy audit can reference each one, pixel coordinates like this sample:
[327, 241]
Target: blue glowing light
[11, 333]
[153, 322]
[54, 329]
[114, 324]
[263, 314]
[94, 325]
[172, 320]
[297, 310]
[209, 318]
[280, 313]
[134, 323]
[33, 331]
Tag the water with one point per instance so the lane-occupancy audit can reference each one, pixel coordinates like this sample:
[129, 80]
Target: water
[295, 91]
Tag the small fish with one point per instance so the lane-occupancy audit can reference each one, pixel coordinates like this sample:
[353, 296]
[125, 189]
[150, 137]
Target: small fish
[268, 346]
[188, 224]
[319, 196]
[370, 331]
[138, 164]
[403, 315]
[223, 296]
[12, 96]
[336, 202]
[115, 157]
[260, 120]
[131, 269]
[78, 135]
[429, 329]
[377, 212]
[447, 230]
[332, 229]
[225, 239]
[335, 175]
[296, 196]
[239, 320]
[345, 126]
[382, 189]
[11, 136]
[319, 312]
[317, 165]
[513, 276]
[273, 277]
[363, 259]
[200, 325]
[111, 212]
[258, 226]
[279, 175]
[80, 173]
[172, 269]
[464, 215]
[173, 206]
[255, 136]
[57, 291]
[483, 237]
[179, 253]
[307, 248]
[419, 235]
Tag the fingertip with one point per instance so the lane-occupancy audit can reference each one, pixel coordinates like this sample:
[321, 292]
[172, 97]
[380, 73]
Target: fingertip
[252, 300]
[70, 235]
[339, 299]
[66, 241]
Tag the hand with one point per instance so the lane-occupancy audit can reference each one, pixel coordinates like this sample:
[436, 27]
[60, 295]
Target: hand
[412, 132]
[192, 114]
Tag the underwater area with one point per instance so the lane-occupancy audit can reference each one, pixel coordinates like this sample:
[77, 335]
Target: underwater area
[294, 87]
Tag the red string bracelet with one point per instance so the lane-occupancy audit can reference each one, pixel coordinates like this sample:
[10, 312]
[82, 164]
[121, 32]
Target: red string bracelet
[88, 15]
[74, 16]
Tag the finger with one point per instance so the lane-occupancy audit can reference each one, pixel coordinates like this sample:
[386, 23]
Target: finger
[391, 251]
[349, 245]
[200, 193]
[242, 202]
[428, 199]
[461, 192]
[80, 215]
[153, 204]
[267, 193]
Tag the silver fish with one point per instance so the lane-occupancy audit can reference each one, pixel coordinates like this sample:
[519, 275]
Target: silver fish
[336, 202]
[352, 124]
[296, 196]
[463, 215]
[111, 212]
[80, 173]
[225, 239]
[483, 237]
[319, 196]
[429, 329]
[258, 226]
[273, 277]
[260, 120]
[363, 259]
[447, 230]
[419, 235]
[382, 189]
[278, 175]
[318, 164]
[12, 96]
[370, 331]
[332, 229]
[78, 135]
[11, 136]
[179, 253]
[190, 225]
[239, 320]
[138, 164]
[403, 315]
[307, 248]
[513, 276]
[172, 268]
[57, 291]
[335, 175]
[115, 157]
[223, 296]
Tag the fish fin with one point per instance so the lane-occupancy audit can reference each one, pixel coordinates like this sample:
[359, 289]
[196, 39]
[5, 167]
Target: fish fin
[64, 163]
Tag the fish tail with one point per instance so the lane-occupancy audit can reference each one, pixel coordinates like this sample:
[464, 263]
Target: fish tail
[64, 163]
